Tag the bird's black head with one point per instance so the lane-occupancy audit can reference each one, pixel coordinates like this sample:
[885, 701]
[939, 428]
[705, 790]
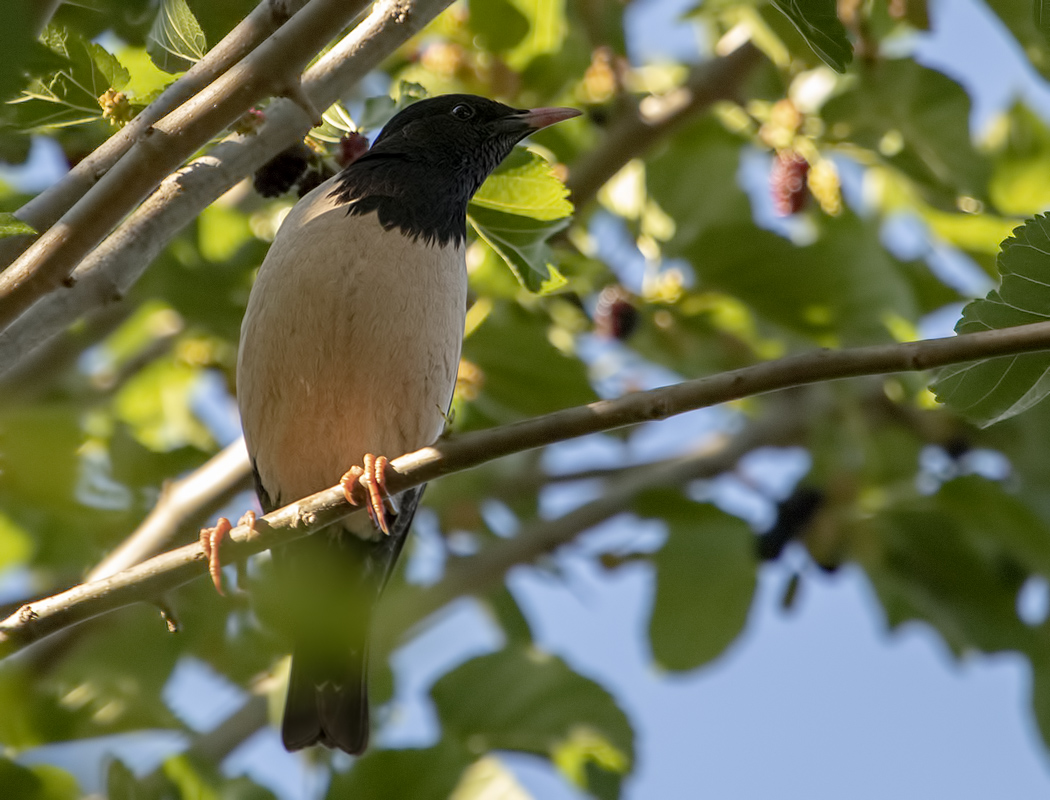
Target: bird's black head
[432, 157]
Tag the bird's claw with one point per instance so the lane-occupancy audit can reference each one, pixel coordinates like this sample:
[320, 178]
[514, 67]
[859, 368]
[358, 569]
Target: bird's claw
[210, 539]
[367, 486]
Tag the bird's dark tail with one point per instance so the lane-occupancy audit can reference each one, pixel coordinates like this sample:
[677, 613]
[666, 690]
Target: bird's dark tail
[331, 580]
[327, 701]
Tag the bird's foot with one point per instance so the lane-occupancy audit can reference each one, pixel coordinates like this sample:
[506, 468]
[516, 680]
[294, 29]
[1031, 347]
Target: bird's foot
[367, 486]
[212, 537]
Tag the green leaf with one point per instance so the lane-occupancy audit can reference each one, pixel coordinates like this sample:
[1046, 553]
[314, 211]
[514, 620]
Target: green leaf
[19, 781]
[70, 95]
[40, 782]
[522, 244]
[998, 388]
[516, 211]
[121, 783]
[56, 783]
[547, 31]
[702, 154]
[521, 699]
[428, 774]
[10, 225]
[843, 288]
[1027, 21]
[917, 120]
[157, 405]
[706, 574]
[1020, 182]
[498, 23]
[176, 41]
[525, 185]
[23, 54]
[818, 22]
[936, 562]
[1000, 519]
[537, 380]
[15, 542]
[1041, 693]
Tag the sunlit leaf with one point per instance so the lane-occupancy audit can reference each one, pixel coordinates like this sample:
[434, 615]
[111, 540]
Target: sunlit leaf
[10, 225]
[525, 185]
[157, 404]
[176, 41]
[70, 95]
[1020, 183]
[487, 778]
[522, 244]
[995, 389]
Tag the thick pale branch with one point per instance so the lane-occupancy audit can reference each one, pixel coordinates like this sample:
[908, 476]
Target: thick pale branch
[44, 210]
[107, 273]
[36, 620]
[269, 69]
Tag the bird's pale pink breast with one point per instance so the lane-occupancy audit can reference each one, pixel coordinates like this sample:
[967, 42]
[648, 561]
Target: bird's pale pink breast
[340, 356]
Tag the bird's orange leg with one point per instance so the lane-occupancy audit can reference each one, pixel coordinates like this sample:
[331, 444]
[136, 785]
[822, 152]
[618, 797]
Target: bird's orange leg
[212, 537]
[367, 486]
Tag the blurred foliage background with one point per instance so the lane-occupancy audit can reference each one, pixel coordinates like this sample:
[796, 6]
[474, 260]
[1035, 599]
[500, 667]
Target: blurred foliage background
[726, 212]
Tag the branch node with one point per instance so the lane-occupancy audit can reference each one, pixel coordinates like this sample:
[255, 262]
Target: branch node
[294, 92]
[168, 615]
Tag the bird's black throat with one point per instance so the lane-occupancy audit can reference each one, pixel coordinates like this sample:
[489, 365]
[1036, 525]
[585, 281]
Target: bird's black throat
[414, 198]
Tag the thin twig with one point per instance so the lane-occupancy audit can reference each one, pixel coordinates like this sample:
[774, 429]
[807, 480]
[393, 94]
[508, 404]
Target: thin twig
[474, 575]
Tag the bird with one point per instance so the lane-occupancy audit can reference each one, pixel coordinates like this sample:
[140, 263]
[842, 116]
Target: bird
[349, 351]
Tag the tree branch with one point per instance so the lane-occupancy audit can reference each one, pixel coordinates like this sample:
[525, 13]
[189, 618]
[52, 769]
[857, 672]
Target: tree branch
[189, 500]
[41, 618]
[480, 573]
[44, 210]
[272, 68]
[113, 267]
[643, 122]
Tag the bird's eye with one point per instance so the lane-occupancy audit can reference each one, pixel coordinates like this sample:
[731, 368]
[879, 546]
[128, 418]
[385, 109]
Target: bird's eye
[463, 111]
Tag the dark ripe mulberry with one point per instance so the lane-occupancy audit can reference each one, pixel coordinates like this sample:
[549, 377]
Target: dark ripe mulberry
[283, 171]
[351, 147]
[787, 182]
[615, 315]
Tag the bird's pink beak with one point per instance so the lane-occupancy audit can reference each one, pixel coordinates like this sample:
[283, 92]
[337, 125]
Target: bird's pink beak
[542, 117]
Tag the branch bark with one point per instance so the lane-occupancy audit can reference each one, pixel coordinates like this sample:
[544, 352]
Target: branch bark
[41, 618]
[480, 573]
[642, 122]
[113, 267]
[272, 68]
